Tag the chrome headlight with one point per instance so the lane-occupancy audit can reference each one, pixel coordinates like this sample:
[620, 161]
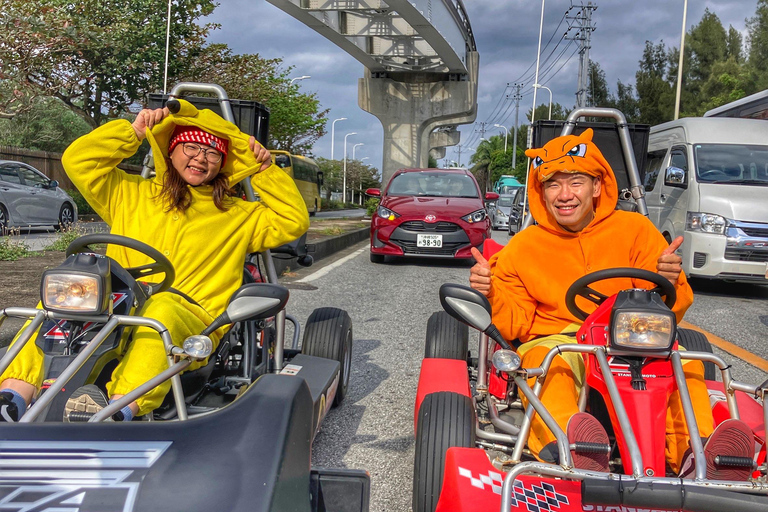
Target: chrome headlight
[706, 223]
[476, 216]
[386, 213]
[81, 284]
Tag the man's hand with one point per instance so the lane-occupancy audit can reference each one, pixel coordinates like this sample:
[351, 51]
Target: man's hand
[669, 264]
[146, 119]
[480, 273]
[262, 154]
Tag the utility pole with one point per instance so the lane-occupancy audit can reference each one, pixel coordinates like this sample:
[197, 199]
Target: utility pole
[584, 28]
[517, 97]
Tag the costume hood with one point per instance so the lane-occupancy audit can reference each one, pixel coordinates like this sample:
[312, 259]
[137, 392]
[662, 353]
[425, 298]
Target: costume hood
[240, 162]
[571, 154]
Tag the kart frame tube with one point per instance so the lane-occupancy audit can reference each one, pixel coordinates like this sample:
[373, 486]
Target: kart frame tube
[110, 323]
[690, 418]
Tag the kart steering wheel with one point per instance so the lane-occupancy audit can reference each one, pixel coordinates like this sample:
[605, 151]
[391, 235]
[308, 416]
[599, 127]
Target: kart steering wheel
[581, 287]
[159, 265]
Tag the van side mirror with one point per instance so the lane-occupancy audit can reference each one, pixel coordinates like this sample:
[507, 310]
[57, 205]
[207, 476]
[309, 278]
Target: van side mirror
[675, 177]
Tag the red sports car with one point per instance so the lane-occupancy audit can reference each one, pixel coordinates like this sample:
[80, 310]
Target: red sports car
[429, 212]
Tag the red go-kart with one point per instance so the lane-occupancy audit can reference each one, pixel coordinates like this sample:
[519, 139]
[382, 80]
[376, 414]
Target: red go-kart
[471, 428]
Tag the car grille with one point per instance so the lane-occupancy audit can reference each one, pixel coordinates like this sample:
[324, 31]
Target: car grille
[437, 227]
[752, 231]
[448, 249]
[746, 255]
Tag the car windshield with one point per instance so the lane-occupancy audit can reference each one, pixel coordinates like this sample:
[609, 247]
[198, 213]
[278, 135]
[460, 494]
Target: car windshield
[439, 184]
[733, 164]
[504, 201]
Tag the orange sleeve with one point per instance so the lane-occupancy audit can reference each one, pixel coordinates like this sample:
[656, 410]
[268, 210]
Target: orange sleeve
[650, 244]
[513, 307]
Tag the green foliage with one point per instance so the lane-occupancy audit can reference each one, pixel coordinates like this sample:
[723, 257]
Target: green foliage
[12, 249]
[371, 205]
[83, 208]
[431, 162]
[359, 176]
[48, 125]
[66, 237]
[338, 205]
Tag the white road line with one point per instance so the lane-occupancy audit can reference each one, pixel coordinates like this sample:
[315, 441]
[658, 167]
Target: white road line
[325, 270]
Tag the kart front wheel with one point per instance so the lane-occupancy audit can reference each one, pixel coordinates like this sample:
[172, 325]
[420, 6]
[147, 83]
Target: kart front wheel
[446, 420]
[328, 334]
[447, 338]
[697, 342]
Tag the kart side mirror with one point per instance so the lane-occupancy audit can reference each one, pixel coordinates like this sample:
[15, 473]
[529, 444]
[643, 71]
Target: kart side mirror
[470, 307]
[253, 301]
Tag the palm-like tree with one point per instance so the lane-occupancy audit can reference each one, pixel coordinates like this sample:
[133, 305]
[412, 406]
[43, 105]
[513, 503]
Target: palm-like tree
[483, 159]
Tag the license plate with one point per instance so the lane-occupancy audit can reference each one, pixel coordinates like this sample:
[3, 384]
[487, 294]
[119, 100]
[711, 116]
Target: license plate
[429, 240]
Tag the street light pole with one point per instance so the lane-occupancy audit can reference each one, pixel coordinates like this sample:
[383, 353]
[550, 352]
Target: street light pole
[304, 77]
[680, 62]
[344, 181]
[355, 147]
[506, 134]
[333, 127]
[167, 44]
[537, 86]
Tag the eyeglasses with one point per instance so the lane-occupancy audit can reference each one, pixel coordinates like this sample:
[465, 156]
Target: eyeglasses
[192, 150]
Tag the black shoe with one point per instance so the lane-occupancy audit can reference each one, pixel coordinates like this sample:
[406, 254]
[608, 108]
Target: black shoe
[84, 403]
[9, 412]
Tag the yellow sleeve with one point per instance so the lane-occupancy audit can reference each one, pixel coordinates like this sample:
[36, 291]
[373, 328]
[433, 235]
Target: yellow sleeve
[91, 163]
[282, 216]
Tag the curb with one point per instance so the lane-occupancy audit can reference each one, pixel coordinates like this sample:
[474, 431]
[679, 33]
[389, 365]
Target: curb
[324, 248]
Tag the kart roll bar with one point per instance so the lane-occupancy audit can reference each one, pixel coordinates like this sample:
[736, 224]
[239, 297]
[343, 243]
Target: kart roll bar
[178, 91]
[637, 190]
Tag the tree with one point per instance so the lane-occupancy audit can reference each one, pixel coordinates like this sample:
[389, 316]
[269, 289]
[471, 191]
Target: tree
[597, 88]
[97, 56]
[295, 121]
[655, 95]
[757, 35]
[626, 102]
[332, 175]
[48, 125]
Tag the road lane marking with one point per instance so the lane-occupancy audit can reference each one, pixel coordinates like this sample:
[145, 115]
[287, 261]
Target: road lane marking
[729, 347]
[325, 270]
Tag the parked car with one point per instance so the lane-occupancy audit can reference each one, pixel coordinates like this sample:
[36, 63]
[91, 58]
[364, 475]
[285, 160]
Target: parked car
[515, 220]
[500, 212]
[431, 213]
[707, 179]
[29, 198]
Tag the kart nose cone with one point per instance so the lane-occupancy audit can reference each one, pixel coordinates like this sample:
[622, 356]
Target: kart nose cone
[198, 346]
[506, 360]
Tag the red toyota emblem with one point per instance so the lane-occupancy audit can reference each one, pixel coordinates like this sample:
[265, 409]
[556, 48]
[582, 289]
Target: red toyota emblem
[430, 218]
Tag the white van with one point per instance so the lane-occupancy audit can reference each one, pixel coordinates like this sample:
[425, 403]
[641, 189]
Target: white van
[707, 179]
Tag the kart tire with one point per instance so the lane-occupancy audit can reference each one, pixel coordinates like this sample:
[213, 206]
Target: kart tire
[447, 338]
[377, 258]
[328, 334]
[445, 420]
[697, 342]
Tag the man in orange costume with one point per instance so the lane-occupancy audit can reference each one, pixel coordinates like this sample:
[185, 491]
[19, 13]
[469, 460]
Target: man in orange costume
[573, 195]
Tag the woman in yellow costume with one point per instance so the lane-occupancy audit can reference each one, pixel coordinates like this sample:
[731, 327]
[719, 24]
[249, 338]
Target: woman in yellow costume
[188, 212]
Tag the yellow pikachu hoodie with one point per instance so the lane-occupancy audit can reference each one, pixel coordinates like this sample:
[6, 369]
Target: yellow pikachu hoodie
[532, 273]
[205, 245]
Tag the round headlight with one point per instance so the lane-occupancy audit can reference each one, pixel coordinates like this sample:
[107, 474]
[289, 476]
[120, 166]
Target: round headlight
[506, 360]
[198, 346]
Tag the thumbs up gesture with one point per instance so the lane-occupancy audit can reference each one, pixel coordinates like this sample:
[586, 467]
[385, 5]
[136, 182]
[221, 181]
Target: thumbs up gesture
[669, 264]
[480, 273]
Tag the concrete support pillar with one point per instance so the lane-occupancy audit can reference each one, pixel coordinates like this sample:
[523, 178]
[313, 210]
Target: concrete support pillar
[411, 105]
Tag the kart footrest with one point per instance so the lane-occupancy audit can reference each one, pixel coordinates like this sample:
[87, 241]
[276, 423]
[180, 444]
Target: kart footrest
[734, 462]
[581, 447]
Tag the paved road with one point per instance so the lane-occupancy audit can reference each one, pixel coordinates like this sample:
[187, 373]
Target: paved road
[390, 305]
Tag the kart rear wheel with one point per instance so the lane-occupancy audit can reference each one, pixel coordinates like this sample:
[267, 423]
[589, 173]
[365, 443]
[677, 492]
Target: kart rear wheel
[446, 420]
[697, 342]
[328, 334]
[447, 338]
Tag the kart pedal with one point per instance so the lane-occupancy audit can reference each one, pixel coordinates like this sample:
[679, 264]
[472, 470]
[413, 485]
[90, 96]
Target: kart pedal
[582, 447]
[84, 403]
[734, 462]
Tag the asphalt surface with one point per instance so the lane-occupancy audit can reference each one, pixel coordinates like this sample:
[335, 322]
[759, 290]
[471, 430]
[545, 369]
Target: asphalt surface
[390, 304]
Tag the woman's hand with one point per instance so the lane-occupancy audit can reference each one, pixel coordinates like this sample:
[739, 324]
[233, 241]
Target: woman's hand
[146, 119]
[262, 154]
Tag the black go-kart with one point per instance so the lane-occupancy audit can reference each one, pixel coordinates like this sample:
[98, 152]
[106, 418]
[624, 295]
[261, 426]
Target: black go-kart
[235, 434]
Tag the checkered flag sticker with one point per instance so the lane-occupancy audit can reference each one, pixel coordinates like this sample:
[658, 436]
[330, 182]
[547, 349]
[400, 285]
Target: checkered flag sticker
[537, 498]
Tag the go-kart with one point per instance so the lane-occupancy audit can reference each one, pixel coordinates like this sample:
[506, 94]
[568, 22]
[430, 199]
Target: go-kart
[471, 429]
[235, 434]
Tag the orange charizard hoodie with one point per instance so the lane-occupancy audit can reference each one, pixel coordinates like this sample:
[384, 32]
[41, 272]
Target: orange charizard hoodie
[531, 275]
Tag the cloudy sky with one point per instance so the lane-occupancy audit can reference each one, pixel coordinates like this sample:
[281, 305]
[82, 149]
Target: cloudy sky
[506, 32]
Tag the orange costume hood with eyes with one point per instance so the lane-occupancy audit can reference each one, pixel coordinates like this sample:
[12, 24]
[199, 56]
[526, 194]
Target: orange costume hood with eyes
[531, 275]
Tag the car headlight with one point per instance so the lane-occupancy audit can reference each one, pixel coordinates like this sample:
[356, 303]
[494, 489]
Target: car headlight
[81, 284]
[476, 216]
[706, 223]
[386, 213]
[500, 213]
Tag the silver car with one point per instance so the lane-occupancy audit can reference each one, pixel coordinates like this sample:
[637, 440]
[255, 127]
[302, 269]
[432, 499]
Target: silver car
[29, 198]
[500, 212]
